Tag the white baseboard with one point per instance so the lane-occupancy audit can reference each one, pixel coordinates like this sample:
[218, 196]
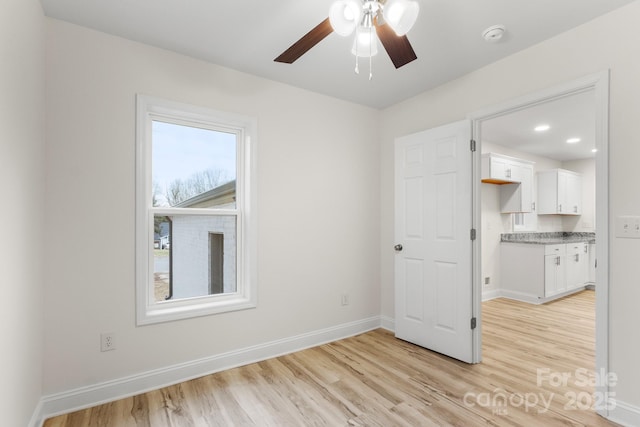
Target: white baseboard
[625, 414]
[388, 323]
[37, 418]
[520, 296]
[491, 294]
[85, 397]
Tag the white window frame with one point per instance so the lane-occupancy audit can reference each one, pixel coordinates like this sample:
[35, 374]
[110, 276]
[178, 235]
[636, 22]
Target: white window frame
[148, 311]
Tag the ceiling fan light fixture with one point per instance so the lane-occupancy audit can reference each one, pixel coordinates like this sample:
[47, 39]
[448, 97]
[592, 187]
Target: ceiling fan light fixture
[365, 43]
[401, 15]
[344, 15]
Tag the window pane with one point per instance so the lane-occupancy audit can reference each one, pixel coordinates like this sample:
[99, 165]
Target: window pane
[193, 167]
[161, 258]
[194, 256]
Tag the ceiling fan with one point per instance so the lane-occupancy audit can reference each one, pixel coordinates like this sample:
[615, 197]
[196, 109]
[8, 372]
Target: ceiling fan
[391, 20]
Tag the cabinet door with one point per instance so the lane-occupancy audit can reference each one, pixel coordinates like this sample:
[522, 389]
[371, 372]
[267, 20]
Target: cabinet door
[499, 169]
[563, 203]
[526, 187]
[551, 267]
[573, 195]
[577, 260]
[592, 263]
[548, 193]
[518, 197]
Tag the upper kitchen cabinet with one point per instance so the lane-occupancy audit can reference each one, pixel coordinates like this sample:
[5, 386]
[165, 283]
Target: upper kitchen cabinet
[498, 169]
[559, 192]
[515, 177]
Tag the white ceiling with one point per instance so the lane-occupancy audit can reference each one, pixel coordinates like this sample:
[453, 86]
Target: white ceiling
[568, 117]
[247, 35]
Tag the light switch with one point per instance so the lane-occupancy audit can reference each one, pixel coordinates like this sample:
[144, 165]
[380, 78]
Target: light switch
[628, 227]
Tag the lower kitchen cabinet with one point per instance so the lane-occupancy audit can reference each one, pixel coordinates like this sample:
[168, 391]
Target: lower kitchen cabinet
[577, 262]
[592, 264]
[538, 273]
[555, 273]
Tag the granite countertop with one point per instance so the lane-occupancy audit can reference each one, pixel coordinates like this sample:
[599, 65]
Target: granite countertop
[549, 238]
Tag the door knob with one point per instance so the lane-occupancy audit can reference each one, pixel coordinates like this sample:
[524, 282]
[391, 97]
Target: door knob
[398, 248]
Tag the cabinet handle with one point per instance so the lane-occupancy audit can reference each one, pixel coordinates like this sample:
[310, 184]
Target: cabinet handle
[575, 209]
[577, 257]
[558, 261]
[586, 249]
[560, 208]
[508, 173]
[533, 206]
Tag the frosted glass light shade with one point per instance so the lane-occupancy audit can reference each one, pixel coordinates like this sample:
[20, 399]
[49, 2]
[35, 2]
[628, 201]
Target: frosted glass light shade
[344, 16]
[401, 15]
[365, 38]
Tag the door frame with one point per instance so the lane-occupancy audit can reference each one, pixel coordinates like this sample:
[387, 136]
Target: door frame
[599, 83]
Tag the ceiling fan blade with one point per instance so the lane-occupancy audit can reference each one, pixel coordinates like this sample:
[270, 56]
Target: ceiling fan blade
[398, 47]
[307, 41]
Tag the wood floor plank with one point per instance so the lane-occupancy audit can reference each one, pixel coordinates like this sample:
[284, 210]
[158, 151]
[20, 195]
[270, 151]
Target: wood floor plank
[374, 379]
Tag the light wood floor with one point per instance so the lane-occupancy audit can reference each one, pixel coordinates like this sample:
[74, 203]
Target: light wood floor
[376, 380]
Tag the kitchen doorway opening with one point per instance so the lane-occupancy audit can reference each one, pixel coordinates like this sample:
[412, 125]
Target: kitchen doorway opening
[529, 159]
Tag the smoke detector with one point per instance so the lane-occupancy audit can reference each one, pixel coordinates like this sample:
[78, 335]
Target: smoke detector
[493, 33]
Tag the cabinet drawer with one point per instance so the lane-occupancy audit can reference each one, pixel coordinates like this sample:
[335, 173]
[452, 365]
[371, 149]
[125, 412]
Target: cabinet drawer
[559, 249]
[577, 248]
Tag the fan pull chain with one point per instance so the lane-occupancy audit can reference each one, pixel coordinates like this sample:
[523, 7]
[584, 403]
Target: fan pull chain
[370, 55]
[357, 70]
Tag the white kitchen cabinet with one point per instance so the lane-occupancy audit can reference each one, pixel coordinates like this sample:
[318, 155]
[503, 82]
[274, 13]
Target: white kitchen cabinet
[592, 263]
[515, 177]
[577, 264]
[496, 168]
[499, 169]
[538, 273]
[559, 192]
[518, 197]
[555, 270]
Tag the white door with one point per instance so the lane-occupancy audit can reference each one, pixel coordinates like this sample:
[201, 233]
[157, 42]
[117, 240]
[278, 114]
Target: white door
[433, 267]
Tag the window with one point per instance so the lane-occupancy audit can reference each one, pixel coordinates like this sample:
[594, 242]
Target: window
[195, 211]
[525, 221]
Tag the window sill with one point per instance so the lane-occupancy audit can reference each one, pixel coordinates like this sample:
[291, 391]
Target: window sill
[194, 307]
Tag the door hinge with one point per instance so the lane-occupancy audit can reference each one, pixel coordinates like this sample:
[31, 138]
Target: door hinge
[473, 323]
[473, 234]
[473, 145]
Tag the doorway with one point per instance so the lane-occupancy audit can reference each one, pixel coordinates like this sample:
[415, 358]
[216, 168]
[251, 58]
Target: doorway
[596, 87]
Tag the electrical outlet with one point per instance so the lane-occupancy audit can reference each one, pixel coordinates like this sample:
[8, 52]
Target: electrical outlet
[345, 299]
[107, 341]
[487, 280]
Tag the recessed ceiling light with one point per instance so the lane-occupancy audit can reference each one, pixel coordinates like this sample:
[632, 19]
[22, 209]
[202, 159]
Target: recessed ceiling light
[595, 150]
[573, 140]
[542, 128]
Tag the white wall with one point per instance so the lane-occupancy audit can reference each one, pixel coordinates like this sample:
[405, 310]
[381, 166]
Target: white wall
[493, 225]
[21, 216]
[318, 162]
[569, 56]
